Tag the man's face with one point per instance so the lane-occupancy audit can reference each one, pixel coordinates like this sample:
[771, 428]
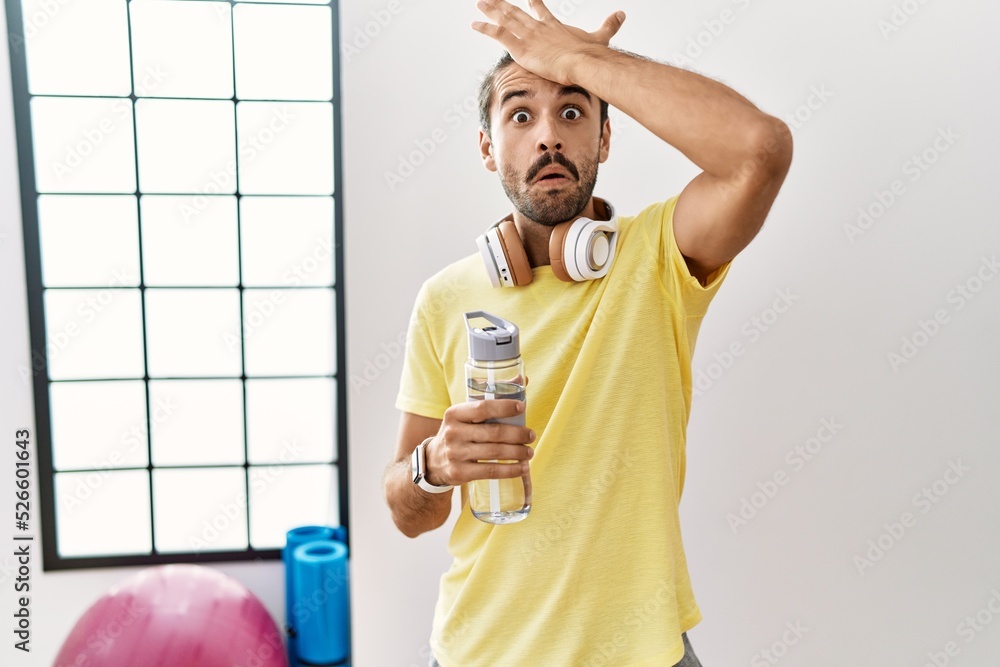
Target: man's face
[546, 143]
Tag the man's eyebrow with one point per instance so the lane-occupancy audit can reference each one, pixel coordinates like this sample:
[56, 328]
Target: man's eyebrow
[563, 92]
[574, 90]
[511, 94]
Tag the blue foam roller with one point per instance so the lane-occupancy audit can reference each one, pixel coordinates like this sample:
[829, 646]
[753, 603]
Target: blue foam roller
[321, 602]
[294, 538]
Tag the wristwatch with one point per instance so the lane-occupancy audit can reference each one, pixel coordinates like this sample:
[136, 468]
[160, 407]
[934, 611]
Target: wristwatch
[418, 466]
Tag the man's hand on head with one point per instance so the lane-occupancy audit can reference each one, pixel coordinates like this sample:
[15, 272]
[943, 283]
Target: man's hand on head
[544, 45]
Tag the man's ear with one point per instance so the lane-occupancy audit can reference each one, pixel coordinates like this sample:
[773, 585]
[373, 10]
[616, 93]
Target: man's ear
[605, 140]
[486, 151]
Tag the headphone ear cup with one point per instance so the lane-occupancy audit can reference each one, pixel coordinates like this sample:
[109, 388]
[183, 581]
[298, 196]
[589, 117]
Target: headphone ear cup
[557, 245]
[580, 255]
[517, 259]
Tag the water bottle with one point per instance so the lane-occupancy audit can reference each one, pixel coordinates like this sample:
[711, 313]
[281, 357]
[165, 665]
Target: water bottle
[495, 370]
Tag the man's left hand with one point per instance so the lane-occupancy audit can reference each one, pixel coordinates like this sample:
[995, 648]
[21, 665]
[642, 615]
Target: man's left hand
[543, 46]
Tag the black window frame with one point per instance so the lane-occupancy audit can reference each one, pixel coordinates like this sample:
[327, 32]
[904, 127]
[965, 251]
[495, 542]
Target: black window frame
[42, 436]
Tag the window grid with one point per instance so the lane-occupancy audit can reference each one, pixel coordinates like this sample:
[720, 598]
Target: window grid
[45, 495]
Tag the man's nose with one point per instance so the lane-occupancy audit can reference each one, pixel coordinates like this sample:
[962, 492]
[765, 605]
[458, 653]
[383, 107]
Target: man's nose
[549, 138]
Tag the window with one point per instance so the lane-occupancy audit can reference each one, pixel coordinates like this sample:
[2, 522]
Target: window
[180, 182]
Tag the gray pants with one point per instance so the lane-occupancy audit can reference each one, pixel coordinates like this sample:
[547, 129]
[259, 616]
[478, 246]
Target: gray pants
[689, 659]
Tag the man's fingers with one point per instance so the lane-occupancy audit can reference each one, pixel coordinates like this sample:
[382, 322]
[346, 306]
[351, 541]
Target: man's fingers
[540, 10]
[477, 412]
[504, 14]
[610, 27]
[490, 470]
[495, 451]
[497, 433]
[494, 31]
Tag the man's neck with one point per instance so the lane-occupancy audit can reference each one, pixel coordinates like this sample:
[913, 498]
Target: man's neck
[535, 236]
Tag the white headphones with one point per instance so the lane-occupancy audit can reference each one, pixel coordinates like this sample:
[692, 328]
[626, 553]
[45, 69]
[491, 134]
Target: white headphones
[580, 249]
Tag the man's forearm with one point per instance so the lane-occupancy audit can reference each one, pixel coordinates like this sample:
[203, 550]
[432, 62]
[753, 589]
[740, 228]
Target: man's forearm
[711, 124]
[414, 511]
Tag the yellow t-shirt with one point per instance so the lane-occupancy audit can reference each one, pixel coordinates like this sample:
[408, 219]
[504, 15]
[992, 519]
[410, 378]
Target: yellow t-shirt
[596, 574]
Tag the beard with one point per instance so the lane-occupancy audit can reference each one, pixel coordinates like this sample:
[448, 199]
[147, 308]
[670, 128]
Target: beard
[556, 205]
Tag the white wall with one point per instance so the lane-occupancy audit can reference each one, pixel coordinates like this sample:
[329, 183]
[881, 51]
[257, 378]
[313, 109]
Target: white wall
[884, 99]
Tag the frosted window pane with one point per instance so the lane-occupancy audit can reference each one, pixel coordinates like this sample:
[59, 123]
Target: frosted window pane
[89, 241]
[200, 510]
[285, 148]
[287, 241]
[77, 48]
[291, 421]
[182, 49]
[207, 423]
[102, 513]
[289, 332]
[278, 2]
[282, 498]
[93, 334]
[98, 424]
[193, 332]
[283, 52]
[83, 145]
[189, 240]
[186, 146]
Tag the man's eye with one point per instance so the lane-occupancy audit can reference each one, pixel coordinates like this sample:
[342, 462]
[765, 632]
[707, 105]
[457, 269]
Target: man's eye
[573, 111]
[521, 116]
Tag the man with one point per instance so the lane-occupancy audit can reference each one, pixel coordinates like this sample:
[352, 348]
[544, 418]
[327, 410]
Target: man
[596, 574]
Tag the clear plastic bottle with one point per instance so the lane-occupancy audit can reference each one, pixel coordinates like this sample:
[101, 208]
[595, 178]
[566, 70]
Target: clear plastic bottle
[495, 370]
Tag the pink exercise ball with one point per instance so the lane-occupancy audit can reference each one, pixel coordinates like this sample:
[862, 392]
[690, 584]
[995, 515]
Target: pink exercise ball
[175, 616]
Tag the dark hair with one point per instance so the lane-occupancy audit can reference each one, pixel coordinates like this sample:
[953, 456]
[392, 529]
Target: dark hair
[486, 93]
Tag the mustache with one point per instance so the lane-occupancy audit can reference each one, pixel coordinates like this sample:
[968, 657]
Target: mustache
[548, 159]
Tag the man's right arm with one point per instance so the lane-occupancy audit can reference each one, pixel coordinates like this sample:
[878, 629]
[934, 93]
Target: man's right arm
[460, 441]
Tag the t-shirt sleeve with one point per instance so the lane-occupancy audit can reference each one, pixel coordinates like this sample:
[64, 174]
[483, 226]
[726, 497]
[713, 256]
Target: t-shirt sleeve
[687, 292]
[422, 387]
